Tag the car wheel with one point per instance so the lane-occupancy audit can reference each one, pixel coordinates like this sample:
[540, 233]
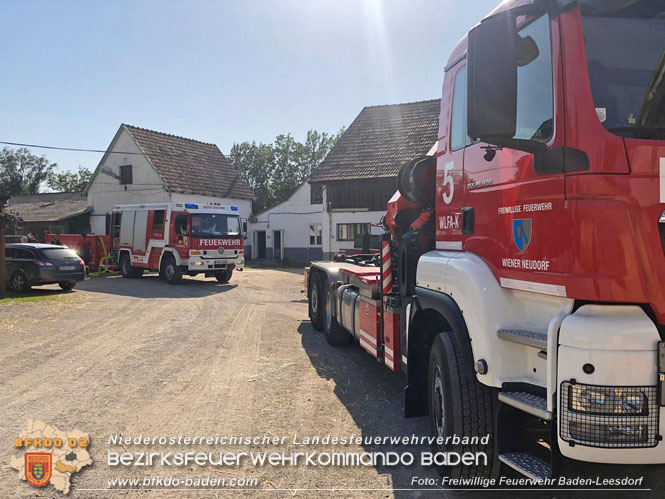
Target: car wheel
[67, 285]
[316, 302]
[459, 405]
[224, 277]
[19, 283]
[335, 334]
[171, 271]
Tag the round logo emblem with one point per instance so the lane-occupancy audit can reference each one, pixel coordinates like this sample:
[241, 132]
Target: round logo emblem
[220, 251]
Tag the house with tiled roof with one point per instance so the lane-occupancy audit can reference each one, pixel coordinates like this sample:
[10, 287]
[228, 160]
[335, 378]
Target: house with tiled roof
[144, 166]
[358, 176]
[55, 212]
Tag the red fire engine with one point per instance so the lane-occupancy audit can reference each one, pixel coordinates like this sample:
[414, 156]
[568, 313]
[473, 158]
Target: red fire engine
[179, 238]
[521, 283]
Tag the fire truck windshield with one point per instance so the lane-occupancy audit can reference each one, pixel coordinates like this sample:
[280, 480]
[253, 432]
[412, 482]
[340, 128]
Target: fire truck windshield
[626, 64]
[214, 225]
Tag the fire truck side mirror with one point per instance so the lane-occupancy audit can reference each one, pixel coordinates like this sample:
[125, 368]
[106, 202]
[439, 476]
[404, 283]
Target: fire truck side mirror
[244, 228]
[492, 79]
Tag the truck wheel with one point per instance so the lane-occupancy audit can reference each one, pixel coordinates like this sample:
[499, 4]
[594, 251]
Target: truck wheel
[460, 405]
[19, 283]
[126, 268]
[335, 334]
[225, 276]
[316, 301]
[67, 285]
[171, 271]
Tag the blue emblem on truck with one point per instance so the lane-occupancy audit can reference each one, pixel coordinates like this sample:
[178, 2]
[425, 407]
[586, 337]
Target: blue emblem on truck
[522, 233]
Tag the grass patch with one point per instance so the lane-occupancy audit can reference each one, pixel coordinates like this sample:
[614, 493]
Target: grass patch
[13, 298]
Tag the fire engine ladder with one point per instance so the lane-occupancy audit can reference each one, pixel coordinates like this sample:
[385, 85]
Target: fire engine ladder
[530, 403]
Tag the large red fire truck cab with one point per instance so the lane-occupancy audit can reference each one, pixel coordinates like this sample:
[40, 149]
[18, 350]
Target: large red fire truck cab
[179, 238]
[521, 282]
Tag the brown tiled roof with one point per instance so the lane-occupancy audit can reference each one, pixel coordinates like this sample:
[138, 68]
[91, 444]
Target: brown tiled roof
[380, 140]
[191, 167]
[48, 207]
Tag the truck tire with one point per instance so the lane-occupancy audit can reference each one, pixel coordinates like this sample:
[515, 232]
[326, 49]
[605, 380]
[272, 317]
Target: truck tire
[126, 268]
[315, 301]
[18, 282]
[67, 285]
[225, 276]
[335, 334]
[460, 405]
[171, 270]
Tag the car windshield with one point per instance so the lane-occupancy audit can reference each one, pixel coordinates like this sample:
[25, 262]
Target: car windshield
[59, 254]
[214, 225]
[626, 61]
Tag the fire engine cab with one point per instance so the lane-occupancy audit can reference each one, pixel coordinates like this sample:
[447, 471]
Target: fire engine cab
[179, 238]
[521, 285]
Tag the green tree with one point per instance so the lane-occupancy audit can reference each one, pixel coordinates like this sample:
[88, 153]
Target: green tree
[22, 172]
[69, 181]
[274, 171]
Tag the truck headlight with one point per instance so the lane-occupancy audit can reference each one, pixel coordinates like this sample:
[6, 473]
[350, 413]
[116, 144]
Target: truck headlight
[609, 416]
[607, 400]
[198, 264]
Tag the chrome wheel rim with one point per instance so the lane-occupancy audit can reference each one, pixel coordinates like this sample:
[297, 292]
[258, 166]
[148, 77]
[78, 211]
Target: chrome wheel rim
[18, 282]
[170, 271]
[314, 299]
[328, 309]
[437, 402]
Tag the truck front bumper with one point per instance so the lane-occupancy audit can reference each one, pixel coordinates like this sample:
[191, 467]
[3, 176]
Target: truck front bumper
[608, 402]
[211, 264]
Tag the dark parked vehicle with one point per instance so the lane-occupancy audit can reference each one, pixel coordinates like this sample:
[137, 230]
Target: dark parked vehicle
[30, 265]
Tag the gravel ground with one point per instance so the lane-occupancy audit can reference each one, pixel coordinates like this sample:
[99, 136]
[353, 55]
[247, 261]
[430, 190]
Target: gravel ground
[142, 357]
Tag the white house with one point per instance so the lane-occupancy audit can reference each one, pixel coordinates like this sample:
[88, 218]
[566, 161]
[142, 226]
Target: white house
[292, 230]
[144, 166]
[358, 176]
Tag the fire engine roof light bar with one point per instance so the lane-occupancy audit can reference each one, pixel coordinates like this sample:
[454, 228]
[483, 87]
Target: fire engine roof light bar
[192, 206]
[234, 208]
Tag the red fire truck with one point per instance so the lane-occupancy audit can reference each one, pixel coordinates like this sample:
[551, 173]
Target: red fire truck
[179, 238]
[521, 283]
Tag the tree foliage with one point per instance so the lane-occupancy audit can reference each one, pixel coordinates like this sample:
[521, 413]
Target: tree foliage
[22, 172]
[69, 181]
[274, 171]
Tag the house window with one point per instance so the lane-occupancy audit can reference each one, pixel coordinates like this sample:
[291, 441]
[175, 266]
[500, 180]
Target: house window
[348, 232]
[158, 221]
[126, 174]
[315, 235]
[360, 195]
[316, 194]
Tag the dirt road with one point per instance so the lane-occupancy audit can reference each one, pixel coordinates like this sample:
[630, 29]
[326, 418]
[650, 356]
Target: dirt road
[142, 357]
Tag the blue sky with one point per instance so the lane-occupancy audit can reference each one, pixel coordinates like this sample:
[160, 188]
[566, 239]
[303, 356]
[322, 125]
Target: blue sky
[218, 71]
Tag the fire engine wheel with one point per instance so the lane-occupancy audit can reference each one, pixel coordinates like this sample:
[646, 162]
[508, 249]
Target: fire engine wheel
[19, 282]
[171, 271]
[316, 284]
[460, 405]
[335, 335]
[126, 268]
[225, 276]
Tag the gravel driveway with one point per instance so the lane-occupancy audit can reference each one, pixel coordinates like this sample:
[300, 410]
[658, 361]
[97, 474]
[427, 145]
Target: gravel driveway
[140, 357]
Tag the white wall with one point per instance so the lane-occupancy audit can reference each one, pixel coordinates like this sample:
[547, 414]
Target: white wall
[330, 220]
[146, 187]
[293, 216]
[105, 191]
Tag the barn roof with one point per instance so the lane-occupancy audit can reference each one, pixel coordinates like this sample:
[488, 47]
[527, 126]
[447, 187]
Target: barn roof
[380, 140]
[49, 207]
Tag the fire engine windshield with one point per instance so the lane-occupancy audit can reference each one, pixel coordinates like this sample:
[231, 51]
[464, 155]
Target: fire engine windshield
[625, 44]
[214, 225]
